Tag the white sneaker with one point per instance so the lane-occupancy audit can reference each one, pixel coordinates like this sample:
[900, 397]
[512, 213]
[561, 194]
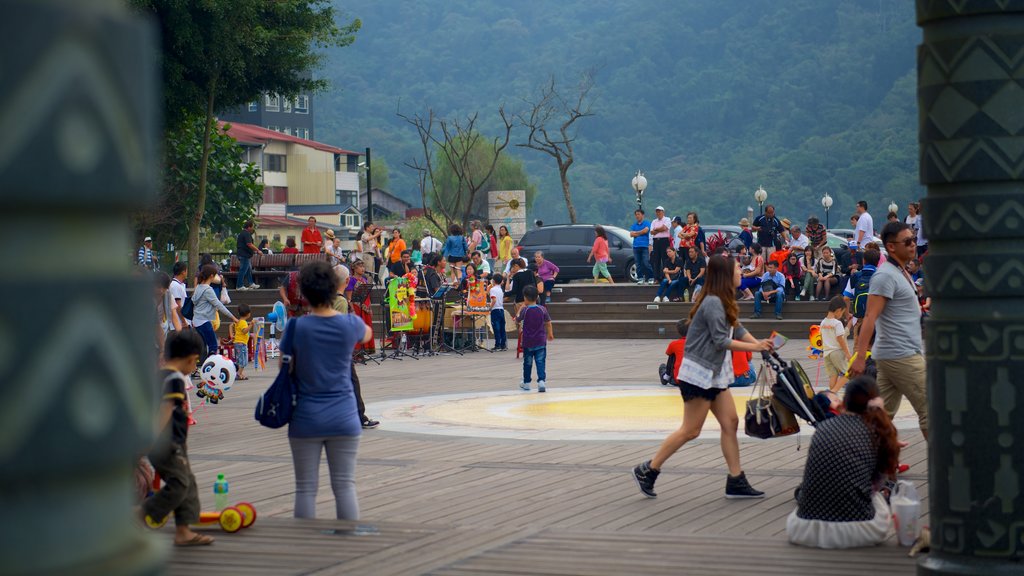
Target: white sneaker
[540, 385]
[524, 386]
[241, 288]
[657, 299]
[651, 281]
[254, 286]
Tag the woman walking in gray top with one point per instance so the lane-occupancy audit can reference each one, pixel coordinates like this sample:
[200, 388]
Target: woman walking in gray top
[705, 375]
[205, 305]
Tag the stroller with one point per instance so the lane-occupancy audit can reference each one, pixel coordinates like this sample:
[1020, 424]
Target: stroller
[792, 389]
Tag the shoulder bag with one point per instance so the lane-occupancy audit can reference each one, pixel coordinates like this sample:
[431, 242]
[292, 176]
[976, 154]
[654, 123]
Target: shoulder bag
[275, 406]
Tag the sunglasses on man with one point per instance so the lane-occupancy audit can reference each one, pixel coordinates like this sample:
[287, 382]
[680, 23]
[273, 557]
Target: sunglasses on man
[908, 242]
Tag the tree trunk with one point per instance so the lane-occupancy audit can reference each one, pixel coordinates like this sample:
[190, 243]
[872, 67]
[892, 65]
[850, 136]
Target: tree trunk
[563, 174]
[197, 216]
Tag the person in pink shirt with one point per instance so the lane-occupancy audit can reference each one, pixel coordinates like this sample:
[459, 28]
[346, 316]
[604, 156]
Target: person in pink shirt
[600, 254]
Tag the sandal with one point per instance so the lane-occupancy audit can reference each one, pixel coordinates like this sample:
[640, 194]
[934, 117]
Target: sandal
[197, 540]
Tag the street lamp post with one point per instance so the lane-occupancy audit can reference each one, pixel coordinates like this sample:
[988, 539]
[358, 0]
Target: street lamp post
[826, 203]
[639, 185]
[760, 195]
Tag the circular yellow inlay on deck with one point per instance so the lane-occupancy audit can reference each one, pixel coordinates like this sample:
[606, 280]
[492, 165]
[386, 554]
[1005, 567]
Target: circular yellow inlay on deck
[580, 413]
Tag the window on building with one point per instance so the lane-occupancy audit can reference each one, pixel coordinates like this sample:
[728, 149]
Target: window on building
[254, 106]
[346, 197]
[302, 133]
[352, 163]
[287, 103]
[277, 238]
[351, 221]
[287, 130]
[272, 102]
[275, 162]
[274, 128]
[302, 104]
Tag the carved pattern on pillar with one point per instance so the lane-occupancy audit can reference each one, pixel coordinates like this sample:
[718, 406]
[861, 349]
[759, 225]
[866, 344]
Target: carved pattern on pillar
[971, 114]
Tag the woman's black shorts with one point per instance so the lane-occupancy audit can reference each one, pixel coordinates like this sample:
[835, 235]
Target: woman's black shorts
[690, 392]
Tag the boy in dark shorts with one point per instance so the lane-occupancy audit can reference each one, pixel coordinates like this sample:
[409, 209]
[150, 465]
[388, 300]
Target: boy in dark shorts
[169, 455]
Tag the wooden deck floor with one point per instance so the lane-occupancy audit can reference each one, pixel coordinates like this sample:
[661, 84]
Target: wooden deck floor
[459, 505]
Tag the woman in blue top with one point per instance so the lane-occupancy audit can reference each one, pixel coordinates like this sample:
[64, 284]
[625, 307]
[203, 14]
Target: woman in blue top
[326, 415]
[455, 247]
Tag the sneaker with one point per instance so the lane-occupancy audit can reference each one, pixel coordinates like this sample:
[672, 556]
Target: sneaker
[524, 386]
[737, 487]
[254, 286]
[639, 281]
[657, 299]
[645, 477]
[778, 316]
[651, 281]
[755, 317]
[240, 288]
[369, 424]
[540, 386]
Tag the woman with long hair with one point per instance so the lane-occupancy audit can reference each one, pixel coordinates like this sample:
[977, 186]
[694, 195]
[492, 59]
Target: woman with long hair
[504, 247]
[705, 375]
[841, 503]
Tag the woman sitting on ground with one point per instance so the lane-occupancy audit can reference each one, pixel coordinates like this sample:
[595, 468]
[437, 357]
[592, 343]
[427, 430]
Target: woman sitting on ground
[840, 503]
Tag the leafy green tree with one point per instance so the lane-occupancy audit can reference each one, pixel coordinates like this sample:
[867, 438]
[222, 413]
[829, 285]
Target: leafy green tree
[233, 188]
[218, 54]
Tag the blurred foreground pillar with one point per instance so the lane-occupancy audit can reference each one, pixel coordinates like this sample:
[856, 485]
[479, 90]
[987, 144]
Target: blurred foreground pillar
[971, 100]
[78, 130]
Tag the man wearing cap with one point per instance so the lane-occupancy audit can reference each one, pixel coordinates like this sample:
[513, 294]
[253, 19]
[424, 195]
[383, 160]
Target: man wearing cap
[147, 258]
[429, 244]
[746, 236]
[245, 249]
[661, 236]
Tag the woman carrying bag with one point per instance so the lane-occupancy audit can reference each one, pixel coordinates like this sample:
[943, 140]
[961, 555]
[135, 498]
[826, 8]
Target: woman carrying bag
[705, 375]
[326, 417]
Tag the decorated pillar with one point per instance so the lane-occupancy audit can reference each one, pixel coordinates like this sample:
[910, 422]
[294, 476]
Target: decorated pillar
[971, 100]
[78, 153]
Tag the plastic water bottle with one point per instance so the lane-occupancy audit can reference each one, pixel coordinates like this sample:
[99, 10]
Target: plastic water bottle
[220, 493]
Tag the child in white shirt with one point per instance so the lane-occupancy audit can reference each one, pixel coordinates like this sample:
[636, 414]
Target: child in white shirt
[497, 296]
[833, 344]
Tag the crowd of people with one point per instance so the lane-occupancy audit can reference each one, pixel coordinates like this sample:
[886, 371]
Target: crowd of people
[853, 456]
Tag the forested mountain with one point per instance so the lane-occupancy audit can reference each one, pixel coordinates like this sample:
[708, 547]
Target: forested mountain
[711, 98]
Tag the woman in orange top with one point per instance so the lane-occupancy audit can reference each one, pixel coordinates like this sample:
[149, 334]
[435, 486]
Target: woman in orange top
[599, 252]
[396, 246]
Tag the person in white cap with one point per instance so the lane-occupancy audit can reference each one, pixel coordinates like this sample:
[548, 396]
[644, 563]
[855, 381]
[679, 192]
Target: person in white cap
[146, 257]
[661, 239]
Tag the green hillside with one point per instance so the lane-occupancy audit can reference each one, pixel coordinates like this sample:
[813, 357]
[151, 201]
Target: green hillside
[709, 98]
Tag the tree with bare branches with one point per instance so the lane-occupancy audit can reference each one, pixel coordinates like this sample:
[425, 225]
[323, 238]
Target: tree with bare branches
[550, 121]
[454, 146]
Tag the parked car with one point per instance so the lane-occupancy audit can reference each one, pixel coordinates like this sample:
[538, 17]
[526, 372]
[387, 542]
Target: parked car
[567, 245]
[850, 233]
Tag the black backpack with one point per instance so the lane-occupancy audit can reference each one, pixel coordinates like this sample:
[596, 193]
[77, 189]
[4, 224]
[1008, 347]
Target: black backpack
[861, 284]
[187, 308]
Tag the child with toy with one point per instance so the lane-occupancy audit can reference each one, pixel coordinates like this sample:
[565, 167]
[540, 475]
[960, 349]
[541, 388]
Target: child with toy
[170, 456]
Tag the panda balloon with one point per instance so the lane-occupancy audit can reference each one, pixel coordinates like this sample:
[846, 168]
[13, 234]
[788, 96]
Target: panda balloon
[217, 375]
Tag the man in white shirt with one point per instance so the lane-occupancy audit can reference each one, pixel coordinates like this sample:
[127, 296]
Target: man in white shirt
[798, 241]
[865, 231]
[177, 289]
[429, 244]
[661, 236]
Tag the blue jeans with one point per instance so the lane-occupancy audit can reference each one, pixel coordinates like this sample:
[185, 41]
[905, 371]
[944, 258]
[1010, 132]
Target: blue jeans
[498, 325]
[209, 338]
[540, 353]
[779, 298]
[244, 272]
[667, 288]
[642, 256]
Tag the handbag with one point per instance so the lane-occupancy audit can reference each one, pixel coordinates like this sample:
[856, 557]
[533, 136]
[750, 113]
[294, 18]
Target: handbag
[765, 417]
[274, 408]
